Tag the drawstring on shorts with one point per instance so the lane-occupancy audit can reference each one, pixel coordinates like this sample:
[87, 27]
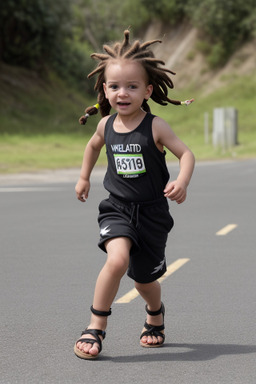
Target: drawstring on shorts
[135, 207]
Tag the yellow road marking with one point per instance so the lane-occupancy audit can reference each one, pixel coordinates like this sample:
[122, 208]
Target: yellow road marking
[224, 231]
[129, 296]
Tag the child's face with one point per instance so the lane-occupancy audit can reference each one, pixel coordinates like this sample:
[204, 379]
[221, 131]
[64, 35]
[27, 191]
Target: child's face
[126, 86]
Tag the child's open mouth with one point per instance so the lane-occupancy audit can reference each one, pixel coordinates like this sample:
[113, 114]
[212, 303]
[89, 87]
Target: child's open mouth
[123, 104]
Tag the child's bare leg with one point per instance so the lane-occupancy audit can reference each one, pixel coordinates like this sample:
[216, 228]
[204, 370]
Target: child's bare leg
[107, 284]
[151, 293]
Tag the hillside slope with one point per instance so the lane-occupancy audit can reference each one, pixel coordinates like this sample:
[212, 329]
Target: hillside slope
[180, 53]
[179, 50]
[39, 126]
[32, 104]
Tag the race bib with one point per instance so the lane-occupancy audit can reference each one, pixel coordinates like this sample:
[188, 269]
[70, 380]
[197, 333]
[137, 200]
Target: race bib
[130, 165]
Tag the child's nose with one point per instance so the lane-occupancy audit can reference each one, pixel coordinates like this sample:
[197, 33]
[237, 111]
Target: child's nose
[122, 91]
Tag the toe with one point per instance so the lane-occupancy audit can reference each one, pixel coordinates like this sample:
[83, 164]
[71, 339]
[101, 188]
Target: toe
[88, 348]
[144, 339]
[147, 340]
[150, 340]
[94, 350]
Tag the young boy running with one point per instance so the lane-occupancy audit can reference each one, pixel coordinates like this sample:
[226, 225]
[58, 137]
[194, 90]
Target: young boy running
[134, 220]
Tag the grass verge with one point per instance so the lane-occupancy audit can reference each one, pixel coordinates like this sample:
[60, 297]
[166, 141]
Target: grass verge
[39, 128]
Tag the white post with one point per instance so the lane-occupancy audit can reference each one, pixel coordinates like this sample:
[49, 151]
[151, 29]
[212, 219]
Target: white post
[224, 127]
[206, 127]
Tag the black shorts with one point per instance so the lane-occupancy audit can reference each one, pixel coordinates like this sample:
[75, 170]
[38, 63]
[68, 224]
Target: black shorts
[147, 224]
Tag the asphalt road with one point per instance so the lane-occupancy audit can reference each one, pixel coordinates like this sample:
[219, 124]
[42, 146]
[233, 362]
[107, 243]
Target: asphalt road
[50, 261]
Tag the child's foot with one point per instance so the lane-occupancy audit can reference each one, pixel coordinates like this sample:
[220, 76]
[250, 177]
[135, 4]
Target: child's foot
[153, 331]
[90, 344]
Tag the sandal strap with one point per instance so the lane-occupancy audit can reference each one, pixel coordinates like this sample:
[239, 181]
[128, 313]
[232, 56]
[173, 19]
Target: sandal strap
[100, 313]
[156, 313]
[153, 330]
[156, 334]
[94, 332]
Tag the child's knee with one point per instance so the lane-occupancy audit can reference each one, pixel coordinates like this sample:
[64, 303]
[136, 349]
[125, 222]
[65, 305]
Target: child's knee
[118, 265]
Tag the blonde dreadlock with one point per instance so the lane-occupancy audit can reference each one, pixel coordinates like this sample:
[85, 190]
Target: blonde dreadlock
[139, 52]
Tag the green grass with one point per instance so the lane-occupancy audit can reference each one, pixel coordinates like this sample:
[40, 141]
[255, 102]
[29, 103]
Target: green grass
[39, 123]
[19, 153]
[188, 122]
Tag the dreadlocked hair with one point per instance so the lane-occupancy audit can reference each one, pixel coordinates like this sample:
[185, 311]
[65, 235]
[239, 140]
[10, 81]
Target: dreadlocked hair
[139, 52]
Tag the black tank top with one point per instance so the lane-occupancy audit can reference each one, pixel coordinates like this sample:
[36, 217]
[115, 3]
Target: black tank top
[137, 169]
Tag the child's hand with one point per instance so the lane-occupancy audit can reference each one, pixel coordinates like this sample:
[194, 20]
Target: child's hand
[82, 189]
[176, 191]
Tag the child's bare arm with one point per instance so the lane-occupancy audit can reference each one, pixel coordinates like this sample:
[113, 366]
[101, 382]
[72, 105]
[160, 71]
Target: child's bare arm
[177, 189]
[91, 154]
[165, 137]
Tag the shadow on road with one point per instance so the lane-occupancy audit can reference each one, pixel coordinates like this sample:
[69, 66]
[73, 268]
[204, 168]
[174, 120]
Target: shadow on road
[195, 352]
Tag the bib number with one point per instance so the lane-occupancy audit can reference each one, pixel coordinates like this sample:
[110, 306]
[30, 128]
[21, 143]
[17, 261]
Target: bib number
[129, 165]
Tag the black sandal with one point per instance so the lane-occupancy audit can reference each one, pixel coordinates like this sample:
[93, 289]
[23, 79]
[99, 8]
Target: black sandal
[154, 330]
[94, 332]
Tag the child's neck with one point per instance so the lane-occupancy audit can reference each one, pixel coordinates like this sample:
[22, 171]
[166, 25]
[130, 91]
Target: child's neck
[123, 123]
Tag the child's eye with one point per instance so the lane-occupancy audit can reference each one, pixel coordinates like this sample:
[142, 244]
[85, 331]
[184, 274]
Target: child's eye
[113, 86]
[132, 86]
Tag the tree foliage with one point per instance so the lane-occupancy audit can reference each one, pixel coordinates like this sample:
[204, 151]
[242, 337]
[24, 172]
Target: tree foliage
[32, 29]
[99, 21]
[170, 11]
[225, 24]
[62, 34]
[38, 34]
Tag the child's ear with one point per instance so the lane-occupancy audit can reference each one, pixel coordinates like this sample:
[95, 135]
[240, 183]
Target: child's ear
[149, 91]
[105, 90]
